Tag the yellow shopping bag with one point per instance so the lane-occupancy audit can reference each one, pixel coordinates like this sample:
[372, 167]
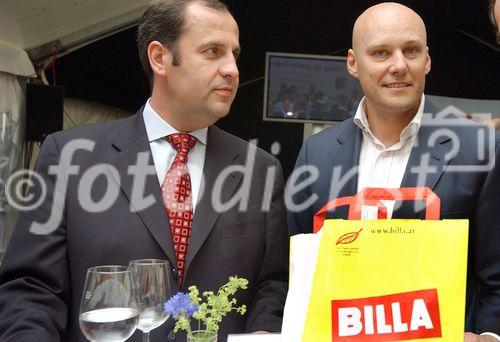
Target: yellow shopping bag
[388, 280]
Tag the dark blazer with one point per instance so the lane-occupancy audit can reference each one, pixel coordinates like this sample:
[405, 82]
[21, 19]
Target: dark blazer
[468, 194]
[495, 326]
[42, 276]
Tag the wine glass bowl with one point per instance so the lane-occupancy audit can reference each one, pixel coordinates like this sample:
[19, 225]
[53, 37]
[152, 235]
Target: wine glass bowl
[108, 308]
[152, 282]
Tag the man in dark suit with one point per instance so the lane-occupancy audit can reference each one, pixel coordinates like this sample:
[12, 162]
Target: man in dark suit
[391, 143]
[494, 327]
[233, 199]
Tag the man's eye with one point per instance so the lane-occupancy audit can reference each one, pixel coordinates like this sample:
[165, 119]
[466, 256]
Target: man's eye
[411, 51]
[379, 53]
[211, 52]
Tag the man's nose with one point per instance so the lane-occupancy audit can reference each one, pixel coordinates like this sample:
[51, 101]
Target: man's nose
[229, 67]
[398, 63]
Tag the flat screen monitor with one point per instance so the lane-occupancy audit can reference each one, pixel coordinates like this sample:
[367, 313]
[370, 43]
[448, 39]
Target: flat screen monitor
[309, 88]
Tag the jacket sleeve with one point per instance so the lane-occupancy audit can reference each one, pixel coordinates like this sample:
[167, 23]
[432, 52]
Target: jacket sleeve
[486, 244]
[298, 196]
[494, 327]
[269, 294]
[34, 288]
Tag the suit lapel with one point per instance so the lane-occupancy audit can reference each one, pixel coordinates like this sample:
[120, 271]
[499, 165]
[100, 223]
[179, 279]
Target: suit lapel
[219, 155]
[426, 164]
[130, 141]
[344, 155]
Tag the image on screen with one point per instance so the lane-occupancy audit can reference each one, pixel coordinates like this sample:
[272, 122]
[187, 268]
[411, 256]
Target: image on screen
[309, 88]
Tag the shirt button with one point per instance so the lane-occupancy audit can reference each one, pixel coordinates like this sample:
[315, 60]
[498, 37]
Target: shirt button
[171, 335]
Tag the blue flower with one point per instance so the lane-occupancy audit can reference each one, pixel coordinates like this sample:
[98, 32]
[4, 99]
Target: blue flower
[191, 310]
[180, 305]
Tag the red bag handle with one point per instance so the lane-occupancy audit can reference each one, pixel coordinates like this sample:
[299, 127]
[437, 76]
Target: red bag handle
[319, 217]
[373, 196]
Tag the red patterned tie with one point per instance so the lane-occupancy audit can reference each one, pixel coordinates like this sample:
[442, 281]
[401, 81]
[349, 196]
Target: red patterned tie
[177, 198]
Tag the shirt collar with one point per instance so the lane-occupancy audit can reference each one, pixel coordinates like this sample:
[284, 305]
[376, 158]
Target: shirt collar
[409, 131]
[158, 128]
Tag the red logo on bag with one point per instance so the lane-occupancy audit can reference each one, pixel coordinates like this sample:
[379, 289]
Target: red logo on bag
[348, 238]
[396, 317]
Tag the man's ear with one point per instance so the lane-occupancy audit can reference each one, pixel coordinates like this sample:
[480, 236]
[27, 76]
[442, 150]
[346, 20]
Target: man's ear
[160, 57]
[351, 63]
[427, 61]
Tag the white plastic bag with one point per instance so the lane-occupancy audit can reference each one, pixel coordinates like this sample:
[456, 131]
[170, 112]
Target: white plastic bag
[303, 256]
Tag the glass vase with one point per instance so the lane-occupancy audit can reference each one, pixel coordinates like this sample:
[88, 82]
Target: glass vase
[202, 336]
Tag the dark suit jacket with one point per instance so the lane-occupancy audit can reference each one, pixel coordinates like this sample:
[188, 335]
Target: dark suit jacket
[42, 276]
[495, 326]
[468, 194]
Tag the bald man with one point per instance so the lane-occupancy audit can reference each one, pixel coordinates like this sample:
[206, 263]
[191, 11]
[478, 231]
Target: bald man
[390, 143]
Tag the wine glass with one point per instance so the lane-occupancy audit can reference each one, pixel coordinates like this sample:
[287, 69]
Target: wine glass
[152, 281]
[108, 309]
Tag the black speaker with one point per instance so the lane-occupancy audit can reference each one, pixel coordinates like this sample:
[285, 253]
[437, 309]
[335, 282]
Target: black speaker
[44, 111]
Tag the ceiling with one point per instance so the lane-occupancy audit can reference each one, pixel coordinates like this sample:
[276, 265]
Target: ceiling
[58, 25]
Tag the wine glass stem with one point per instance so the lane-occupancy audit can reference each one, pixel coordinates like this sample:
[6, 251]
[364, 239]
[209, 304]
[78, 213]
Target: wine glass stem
[145, 337]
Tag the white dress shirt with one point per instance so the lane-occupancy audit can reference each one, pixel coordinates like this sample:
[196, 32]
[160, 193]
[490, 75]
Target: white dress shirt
[383, 166]
[164, 153]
